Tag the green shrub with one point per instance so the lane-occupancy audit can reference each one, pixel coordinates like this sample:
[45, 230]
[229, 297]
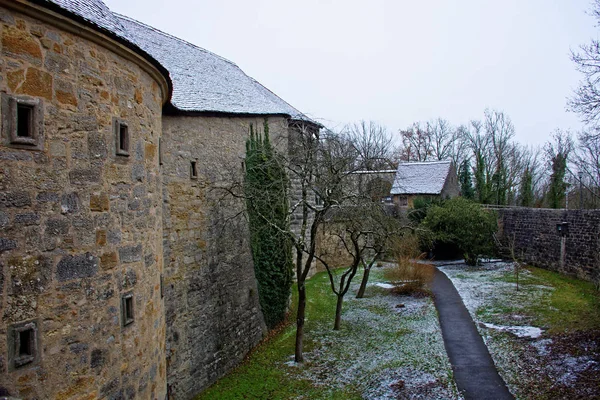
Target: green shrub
[465, 224]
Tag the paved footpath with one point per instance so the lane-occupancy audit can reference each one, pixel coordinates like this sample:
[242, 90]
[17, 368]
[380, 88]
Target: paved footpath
[474, 372]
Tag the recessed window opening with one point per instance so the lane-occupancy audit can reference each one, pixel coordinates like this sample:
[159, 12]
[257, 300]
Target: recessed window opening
[24, 121]
[127, 309]
[26, 343]
[123, 138]
[193, 170]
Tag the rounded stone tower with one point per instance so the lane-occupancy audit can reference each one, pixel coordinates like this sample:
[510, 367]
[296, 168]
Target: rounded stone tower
[81, 306]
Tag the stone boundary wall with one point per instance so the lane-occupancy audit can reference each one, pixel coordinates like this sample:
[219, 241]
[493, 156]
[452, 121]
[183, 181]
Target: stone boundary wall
[538, 242]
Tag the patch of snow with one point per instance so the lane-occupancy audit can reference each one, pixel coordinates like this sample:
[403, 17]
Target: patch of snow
[519, 331]
[542, 346]
[566, 368]
[385, 285]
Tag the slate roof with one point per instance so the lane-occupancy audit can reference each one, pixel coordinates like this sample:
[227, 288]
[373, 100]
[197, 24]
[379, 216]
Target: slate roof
[421, 177]
[204, 81]
[93, 11]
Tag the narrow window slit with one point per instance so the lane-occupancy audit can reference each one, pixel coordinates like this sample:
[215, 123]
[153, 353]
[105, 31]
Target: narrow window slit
[193, 170]
[122, 137]
[127, 309]
[24, 121]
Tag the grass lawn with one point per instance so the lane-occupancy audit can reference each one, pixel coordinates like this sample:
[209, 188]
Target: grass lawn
[382, 351]
[544, 338]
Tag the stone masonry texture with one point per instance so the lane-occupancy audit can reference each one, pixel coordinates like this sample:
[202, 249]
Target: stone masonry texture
[537, 241]
[80, 226]
[212, 311]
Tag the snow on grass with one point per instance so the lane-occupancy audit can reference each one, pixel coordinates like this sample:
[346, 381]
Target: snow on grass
[521, 352]
[382, 351]
[385, 285]
[519, 331]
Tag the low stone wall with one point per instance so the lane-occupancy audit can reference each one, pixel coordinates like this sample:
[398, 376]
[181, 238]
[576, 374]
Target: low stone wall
[538, 242]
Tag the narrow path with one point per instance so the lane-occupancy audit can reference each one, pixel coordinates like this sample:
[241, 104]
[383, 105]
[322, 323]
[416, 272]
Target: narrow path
[474, 370]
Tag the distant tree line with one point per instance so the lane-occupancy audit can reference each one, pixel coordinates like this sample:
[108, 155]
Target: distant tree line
[495, 169]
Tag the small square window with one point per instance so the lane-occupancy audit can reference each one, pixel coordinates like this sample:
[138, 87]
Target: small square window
[193, 170]
[122, 138]
[23, 346]
[127, 309]
[22, 122]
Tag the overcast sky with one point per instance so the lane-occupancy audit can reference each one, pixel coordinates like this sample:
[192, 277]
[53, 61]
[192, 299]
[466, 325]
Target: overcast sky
[395, 62]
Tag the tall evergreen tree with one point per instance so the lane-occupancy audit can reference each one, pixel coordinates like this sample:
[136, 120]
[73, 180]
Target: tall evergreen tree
[558, 186]
[265, 188]
[481, 182]
[526, 197]
[466, 181]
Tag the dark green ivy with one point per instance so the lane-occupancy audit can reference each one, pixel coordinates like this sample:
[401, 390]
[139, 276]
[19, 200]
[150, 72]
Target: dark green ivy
[266, 191]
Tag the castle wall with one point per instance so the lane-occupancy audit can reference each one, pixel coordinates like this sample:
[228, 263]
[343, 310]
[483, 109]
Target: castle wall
[80, 227]
[533, 234]
[212, 309]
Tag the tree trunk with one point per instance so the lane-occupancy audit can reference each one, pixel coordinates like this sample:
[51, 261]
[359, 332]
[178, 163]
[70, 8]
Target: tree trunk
[299, 357]
[363, 284]
[338, 312]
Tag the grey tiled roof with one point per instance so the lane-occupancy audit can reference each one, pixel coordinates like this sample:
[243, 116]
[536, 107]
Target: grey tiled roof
[204, 81]
[421, 177]
[94, 11]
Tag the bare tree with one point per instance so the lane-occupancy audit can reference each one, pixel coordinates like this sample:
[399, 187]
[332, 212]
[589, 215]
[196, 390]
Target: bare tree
[373, 143]
[416, 142]
[586, 158]
[586, 99]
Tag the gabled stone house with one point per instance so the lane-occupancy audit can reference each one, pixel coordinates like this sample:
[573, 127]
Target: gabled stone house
[433, 179]
[122, 273]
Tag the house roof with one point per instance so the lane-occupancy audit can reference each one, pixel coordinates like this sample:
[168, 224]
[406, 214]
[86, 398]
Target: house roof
[92, 11]
[421, 177]
[202, 81]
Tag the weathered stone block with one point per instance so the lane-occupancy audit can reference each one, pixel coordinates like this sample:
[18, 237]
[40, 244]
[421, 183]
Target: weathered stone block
[57, 227]
[27, 219]
[84, 176]
[37, 83]
[76, 267]
[47, 197]
[18, 42]
[98, 359]
[15, 199]
[138, 172]
[7, 244]
[97, 145]
[69, 203]
[4, 220]
[130, 254]
[29, 274]
[99, 202]
[101, 237]
[109, 260]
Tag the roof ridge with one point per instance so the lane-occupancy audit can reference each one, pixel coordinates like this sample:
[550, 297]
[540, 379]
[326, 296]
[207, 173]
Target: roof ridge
[425, 162]
[127, 18]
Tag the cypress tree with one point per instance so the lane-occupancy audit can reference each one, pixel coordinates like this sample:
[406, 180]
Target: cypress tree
[526, 189]
[558, 186]
[465, 180]
[267, 202]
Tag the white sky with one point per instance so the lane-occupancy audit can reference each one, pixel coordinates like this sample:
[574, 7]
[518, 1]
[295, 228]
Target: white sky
[395, 62]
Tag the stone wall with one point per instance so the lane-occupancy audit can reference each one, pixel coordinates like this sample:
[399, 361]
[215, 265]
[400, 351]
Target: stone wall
[537, 241]
[212, 309]
[80, 227]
